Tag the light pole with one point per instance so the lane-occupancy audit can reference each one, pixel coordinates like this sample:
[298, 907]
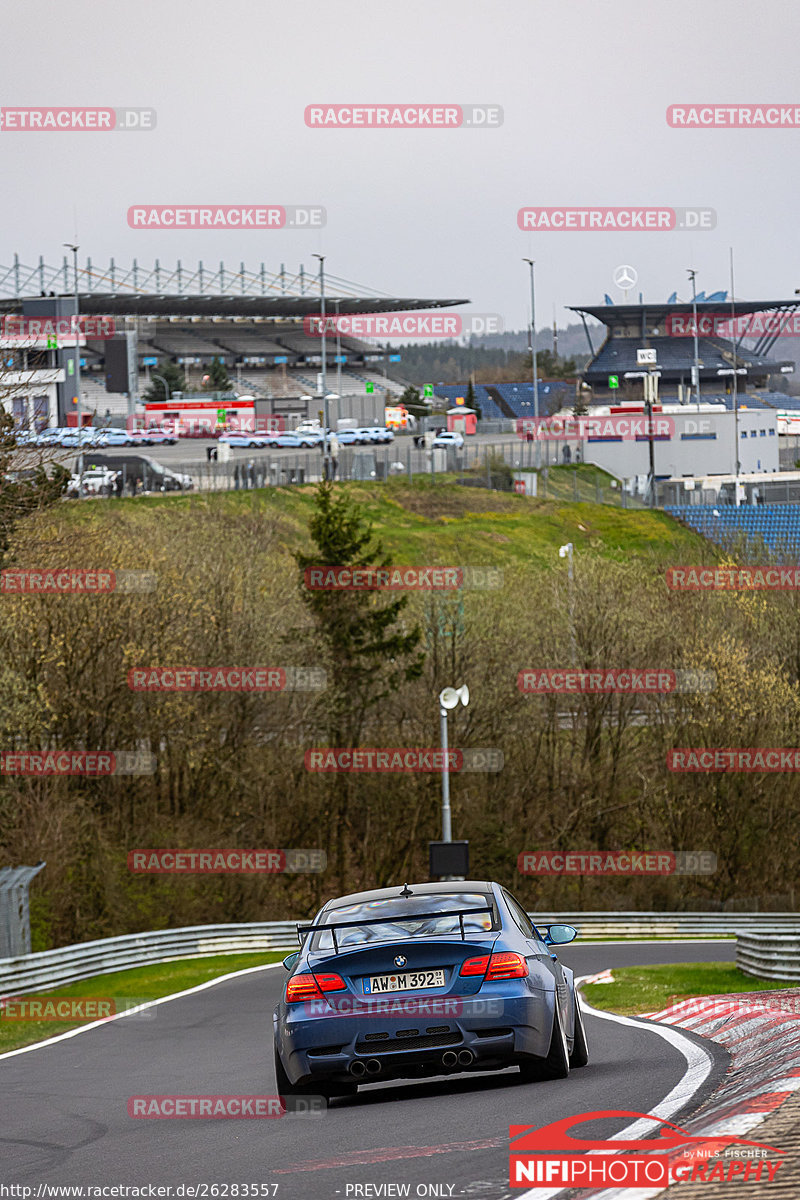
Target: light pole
[692, 275]
[566, 552]
[338, 352]
[166, 385]
[735, 390]
[448, 698]
[74, 249]
[532, 263]
[325, 456]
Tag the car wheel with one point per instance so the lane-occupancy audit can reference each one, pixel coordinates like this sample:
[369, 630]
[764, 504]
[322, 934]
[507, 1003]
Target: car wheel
[289, 1092]
[580, 1049]
[556, 1064]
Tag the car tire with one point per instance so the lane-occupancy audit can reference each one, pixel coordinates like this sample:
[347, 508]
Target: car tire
[556, 1064]
[289, 1092]
[580, 1049]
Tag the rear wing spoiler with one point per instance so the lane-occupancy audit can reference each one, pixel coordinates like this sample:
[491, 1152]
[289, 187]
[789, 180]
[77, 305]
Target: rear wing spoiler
[304, 930]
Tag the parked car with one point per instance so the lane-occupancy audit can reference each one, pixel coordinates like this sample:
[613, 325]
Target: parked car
[292, 441]
[444, 440]
[96, 481]
[376, 433]
[140, 468]
[352, 437]
[237, 437]
[155, 436]
[114, 437]
[87, 438]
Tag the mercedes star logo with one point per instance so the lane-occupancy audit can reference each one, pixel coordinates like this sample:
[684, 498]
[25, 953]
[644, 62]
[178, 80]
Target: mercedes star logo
[400, 961]
[625, 277]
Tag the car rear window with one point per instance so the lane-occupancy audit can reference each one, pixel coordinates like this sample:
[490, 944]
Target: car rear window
[444, 904]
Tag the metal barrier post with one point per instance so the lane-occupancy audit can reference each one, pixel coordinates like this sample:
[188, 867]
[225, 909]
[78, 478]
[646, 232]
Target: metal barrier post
[15, 918]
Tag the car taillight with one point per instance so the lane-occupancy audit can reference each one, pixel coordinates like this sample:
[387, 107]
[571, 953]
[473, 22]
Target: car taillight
[498, 966]
[507, 966]
[330, 983]
[475, 966]
[311, 987]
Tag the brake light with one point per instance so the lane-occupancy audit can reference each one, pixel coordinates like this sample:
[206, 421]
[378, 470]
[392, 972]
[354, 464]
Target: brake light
[330, 983]
[500, 966]
[311, 987]
[302, 987]
[475, 966]
[507, 966]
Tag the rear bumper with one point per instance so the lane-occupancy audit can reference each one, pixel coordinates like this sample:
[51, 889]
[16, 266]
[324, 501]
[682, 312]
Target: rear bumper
[487, 1033]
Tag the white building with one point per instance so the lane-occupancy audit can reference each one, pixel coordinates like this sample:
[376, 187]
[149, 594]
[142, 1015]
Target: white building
[693, 442]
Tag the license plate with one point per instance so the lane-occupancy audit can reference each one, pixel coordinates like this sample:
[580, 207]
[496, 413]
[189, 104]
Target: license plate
[410, 981]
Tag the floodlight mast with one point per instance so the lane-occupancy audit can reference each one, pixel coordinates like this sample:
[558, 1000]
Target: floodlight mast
[74, 249]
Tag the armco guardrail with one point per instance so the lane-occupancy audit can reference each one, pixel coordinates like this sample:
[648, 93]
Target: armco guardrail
[51, 968]
[769, 955]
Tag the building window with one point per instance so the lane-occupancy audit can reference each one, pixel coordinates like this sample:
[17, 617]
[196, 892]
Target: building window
[698, 437]
[762, 433]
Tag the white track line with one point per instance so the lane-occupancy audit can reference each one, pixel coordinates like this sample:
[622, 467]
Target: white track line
[200, 987]
[698, 1067]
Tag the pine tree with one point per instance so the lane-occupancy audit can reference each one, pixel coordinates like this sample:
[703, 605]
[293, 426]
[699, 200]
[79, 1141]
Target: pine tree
[176, 381]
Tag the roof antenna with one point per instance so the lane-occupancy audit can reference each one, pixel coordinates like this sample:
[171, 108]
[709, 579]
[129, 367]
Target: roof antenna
[406, 890]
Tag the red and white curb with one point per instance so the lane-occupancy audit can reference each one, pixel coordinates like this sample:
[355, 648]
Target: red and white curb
[761, 1032]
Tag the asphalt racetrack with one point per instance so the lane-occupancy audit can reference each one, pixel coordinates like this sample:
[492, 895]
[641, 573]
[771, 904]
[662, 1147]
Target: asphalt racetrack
[65, 1118]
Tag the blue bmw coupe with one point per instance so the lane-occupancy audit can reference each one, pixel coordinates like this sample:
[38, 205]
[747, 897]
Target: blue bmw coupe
[428, 979]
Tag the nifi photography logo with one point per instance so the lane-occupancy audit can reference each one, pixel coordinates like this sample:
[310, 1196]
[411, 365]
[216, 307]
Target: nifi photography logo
[552, 1156]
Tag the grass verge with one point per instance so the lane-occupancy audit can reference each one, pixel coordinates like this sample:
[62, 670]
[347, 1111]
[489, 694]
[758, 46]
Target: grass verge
[123, 989]
[639, 990]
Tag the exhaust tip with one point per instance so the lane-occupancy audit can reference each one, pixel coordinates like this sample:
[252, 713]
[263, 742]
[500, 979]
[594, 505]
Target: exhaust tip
[373, 1066]
[357, 1068]
[449, 1058]
[465, 1057]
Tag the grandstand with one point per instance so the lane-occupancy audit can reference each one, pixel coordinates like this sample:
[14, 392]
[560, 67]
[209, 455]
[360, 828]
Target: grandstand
[511, 400]
[252, 321]
[774, 527]
[630, 327]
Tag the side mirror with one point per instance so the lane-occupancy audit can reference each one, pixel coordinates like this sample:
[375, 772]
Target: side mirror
[291, 959]
[559, 935]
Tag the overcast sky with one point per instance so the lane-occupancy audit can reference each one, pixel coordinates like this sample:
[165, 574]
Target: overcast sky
[584, 86]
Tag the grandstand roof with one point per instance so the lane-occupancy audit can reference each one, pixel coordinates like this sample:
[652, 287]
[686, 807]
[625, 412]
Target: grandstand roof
[153, 305]
[612, 313]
